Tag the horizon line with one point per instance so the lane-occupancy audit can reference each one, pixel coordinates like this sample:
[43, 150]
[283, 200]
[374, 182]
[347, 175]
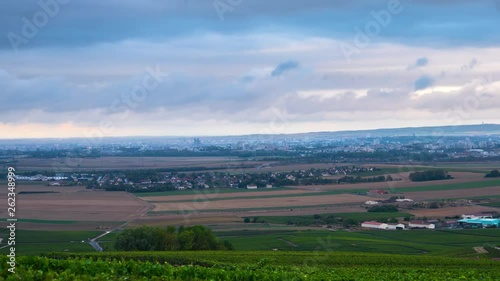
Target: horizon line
[247, 135]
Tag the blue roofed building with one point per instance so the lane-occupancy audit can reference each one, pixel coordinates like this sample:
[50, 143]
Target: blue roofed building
[479, 222]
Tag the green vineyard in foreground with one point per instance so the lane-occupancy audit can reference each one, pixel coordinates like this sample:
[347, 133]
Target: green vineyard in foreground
[247, 266]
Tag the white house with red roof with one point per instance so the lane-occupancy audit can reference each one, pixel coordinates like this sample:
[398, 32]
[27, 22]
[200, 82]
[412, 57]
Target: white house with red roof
[375, 225]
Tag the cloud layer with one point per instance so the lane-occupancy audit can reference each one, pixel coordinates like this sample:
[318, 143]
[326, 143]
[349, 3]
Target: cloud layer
[175, 68]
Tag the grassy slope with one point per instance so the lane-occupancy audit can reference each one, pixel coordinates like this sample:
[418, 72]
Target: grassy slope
[29, 242]
[354, 216]
[454, 243]
[494, 204]
[394, 242]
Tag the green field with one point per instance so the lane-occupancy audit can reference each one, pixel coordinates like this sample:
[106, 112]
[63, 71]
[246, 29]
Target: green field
[32, 242]
[203, 191]
[453, 186]
[493, 204]
[332, 192]
[248, 265]
[46, 221]
[301, 207]
[359, 217]
[414, 242]
[273, 254]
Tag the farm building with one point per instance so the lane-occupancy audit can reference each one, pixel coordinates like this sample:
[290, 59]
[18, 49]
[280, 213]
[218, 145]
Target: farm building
[449, 224]
[396, 226]
[372, 202]
[477, 216]
[421, 224]
[251, 186]
[482, 222]
[374, 224]
[404, 200]
[377, 192]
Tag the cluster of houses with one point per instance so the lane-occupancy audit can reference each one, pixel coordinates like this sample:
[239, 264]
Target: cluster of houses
[58, 179]
[377, 202]
[182, 181]
[186, 181]
[347, 170]
[200, 180]
[41, 177]
[254, 186]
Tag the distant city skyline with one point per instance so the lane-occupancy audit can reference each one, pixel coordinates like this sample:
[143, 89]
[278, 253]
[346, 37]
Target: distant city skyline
[214, 68]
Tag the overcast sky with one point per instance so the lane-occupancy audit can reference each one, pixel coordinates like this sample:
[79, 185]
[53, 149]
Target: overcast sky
[76, 68]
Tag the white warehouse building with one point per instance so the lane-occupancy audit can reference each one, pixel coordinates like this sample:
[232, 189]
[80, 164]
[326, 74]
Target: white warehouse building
[396, 226]
[421, 224]
[375, 225]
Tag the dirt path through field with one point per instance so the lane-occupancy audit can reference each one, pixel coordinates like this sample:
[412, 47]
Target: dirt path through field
[288, 242]
[203, 196]
[262, 203]
[449, 194]
[480, 250]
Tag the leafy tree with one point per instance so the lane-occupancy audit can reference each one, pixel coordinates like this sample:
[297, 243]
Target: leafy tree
[144, 238]
[228, 245]
[430, 175]
[203, 238]
[186, 240]
[147, 238]
[434, 205]
[349, 222]
[384, 209]
[493, 174]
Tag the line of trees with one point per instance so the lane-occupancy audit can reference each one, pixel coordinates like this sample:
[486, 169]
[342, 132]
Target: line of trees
[430, 175]
[148, 238]
[384, 209]
[358, 179]
[493, 174]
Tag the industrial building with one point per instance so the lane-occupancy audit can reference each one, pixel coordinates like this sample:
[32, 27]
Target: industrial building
[396, 226]
[375, 225]
[479, 222]
[421, 224]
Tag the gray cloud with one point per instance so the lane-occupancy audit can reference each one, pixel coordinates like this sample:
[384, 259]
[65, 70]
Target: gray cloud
[421, 62]
[423, 82]
[83, 23]
[94, 53]
[284, 67]
[471, 65]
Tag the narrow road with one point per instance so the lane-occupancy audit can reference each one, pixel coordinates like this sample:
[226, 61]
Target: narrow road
[288, 242]
[96, 245]
[480, 250]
